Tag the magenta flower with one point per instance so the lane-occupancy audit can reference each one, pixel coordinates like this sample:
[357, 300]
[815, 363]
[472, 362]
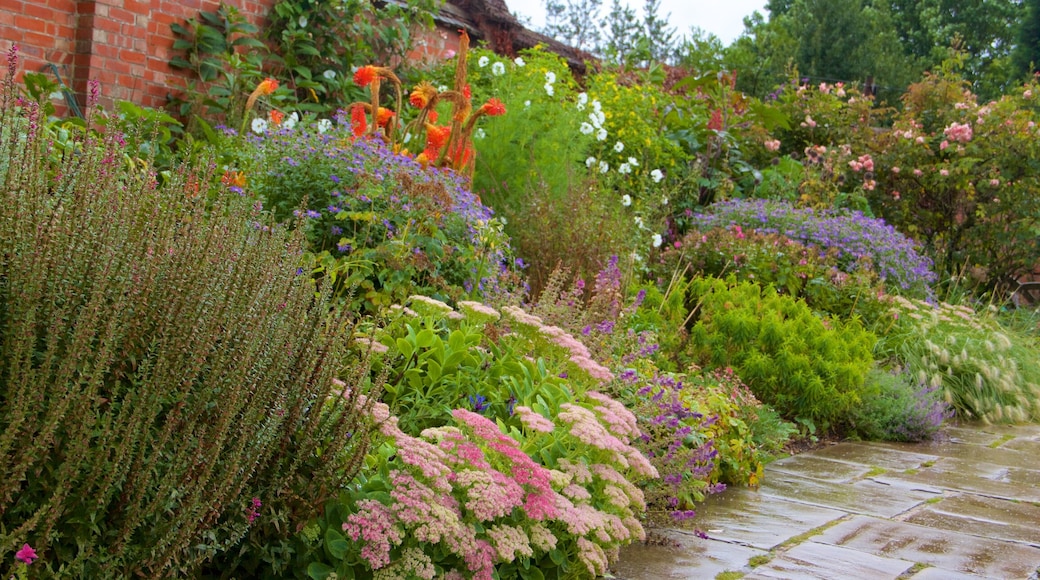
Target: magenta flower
[26, 554]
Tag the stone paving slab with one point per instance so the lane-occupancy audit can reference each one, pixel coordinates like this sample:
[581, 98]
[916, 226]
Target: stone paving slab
[875, 456]
[1030, 446]
[862, 497]
[818, 468]
[965, 435]
[752, 518]
[982, 516]
[1002, 455]
[815, 561]
[688, 557]
[944, 549]
[981, 478]
[933, 573]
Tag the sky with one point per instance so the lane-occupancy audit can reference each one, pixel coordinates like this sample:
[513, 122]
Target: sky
[723, 18]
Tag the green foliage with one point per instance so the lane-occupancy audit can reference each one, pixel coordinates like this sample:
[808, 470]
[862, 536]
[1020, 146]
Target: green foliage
[808, 368]
[983, 370]
[220, 48]
[162, 368]
[318, 42]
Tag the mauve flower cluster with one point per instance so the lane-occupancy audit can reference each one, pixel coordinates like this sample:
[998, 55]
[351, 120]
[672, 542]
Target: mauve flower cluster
[856, 238]
[579, 353]
[470, 491]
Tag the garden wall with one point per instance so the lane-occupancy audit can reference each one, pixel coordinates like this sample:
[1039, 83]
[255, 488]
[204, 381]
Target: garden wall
[125, 44]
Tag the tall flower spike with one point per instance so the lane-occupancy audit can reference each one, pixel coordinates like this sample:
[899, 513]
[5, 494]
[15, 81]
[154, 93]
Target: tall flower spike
[423, 95]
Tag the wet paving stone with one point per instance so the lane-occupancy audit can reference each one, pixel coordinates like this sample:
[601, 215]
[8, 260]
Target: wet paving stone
[983, 516]
[1029, 446]
[813, 560]
[862, 497]
[970, 436]
[755, 519]
[1002, 455]
[875, 456]
[944, 549]
[687, 557]
[932, 573]
[819, 468]
[974, 477]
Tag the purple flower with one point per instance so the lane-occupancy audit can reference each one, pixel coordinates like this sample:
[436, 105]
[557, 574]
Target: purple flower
[479, 403]
[26, 554]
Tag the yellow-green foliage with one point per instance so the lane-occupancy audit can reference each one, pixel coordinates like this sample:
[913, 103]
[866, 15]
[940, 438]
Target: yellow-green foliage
[984, 370]
[809, 368]
[634, 117]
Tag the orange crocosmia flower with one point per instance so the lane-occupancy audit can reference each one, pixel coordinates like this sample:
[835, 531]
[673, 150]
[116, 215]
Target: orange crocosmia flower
[432, 116]
[234, 179]
[276, 116]
[384, 116]
[267, 86]
[460, 155]
[365, 75]
[494, 108]
[422, 94]
[437, 136]
[358, 120]
[467, 92]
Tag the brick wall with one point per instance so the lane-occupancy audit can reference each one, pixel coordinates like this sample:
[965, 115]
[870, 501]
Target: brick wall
[126, 44]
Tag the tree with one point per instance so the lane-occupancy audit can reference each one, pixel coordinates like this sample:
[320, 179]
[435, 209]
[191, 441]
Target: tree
[660, 38]
[621, 32]
[574, 22]
[1026, 55]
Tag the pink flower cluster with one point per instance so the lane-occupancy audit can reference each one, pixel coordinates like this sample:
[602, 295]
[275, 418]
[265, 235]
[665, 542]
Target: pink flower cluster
[863, 163]
[958, 132]
[579, 353]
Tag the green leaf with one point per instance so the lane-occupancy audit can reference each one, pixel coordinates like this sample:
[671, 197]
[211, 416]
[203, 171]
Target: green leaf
[319, 571]
[336, 544]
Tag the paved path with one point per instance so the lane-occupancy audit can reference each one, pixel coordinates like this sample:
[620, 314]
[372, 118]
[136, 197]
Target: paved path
[966, 506]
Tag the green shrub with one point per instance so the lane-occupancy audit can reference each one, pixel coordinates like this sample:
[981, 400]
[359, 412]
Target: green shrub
[162, 367]
[810, 369]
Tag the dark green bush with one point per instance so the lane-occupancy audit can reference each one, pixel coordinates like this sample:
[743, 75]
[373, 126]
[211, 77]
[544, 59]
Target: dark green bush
[810, 369]
[163, 369]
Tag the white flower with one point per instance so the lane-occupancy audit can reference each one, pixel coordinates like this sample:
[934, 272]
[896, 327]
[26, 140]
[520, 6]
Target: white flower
[259, 125]
[636, 257]
[483, 61]
[626, 200]
[550, 77]
[657, 175]
[619, 146]
[407, 137]
[443, 88]
[601, 134]
[625, 168]
[594, 118]
[548, 89]
[498, 69]
[590, 162]
[291, 121]
[583, 98]
[579, 106]
[527, 104]
[632, 161]
[656, 240]
[479, 133]
[587, 129]
[324, 125]
[519, 61]
[603, 167]
[639, 221]
[329, 74]
[302, 21]
[596, 106]
[664, 200]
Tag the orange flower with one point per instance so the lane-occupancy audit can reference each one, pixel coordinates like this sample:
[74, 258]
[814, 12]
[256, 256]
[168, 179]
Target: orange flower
[267, 86]
[384, 116]
[436, 136]
[276, 117]
[460, 155]
[234, 179]
[422, 94]
[493, 108]
[432, 116]
[467, 92]
[365, 75]
[358, 120]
